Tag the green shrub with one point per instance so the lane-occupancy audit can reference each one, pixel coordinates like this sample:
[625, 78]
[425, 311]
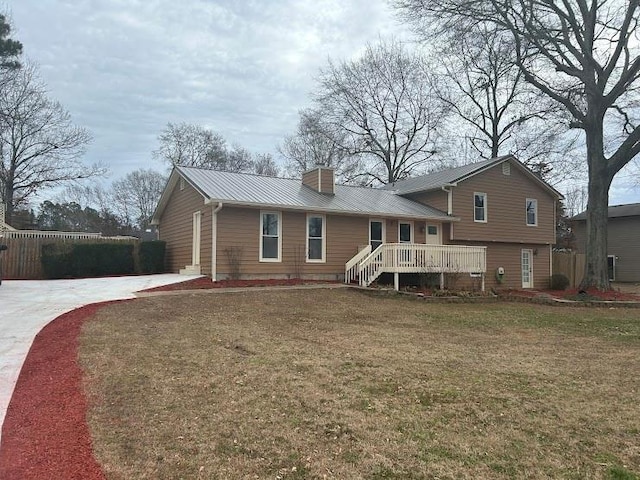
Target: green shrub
[56, 260]
[66, 260]
[152, 256]
[559, 281]
[99, 259]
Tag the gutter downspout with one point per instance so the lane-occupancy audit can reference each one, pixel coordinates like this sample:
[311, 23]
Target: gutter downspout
[449, 196]
[448, 188]
[214, 237]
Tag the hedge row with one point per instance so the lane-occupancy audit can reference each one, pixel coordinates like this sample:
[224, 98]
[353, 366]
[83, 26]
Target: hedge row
[65, 260]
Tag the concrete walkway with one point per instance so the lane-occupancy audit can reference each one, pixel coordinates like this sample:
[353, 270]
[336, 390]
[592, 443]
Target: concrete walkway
[26, 306]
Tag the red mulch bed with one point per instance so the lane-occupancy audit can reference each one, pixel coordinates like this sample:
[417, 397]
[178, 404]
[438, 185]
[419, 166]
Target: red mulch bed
[206, 283]
[45, 433]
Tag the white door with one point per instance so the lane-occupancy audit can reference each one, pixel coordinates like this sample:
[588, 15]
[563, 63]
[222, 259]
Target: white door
[432, 234]
[527, 269]
[195, 251]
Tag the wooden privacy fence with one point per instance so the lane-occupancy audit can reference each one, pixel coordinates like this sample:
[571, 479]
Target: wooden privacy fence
[22, 259]
[571, 265]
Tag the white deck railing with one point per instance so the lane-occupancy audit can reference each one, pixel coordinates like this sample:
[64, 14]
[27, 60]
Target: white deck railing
[420, 258]
[352, 267]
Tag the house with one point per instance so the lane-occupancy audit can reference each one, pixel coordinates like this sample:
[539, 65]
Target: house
[491, 222]
[623, 240]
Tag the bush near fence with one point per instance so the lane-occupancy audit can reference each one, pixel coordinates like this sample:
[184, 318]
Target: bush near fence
[24, 258]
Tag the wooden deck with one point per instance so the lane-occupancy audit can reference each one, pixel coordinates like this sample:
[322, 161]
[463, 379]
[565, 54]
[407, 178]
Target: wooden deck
[396, 258]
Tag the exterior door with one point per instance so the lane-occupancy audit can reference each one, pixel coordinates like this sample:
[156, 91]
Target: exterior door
[611, 267]
[527, 269]
[376, 233]
[195, 251]
[432, 235]
[405, 235]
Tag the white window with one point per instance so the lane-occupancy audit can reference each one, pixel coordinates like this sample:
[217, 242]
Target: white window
[532, 211]
[316, 238]
[270, 237]
[479, 207]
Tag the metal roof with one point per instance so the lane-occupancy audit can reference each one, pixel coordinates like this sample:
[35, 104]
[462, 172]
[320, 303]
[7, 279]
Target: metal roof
[615, 211]
[435, 180]
[258, 190]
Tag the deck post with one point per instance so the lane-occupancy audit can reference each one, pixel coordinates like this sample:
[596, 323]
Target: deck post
[482, 275]
[441, 280]
[396, 281]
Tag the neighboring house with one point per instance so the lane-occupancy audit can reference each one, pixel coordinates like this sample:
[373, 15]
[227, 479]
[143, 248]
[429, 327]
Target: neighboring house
[623, 240]
[467, 222]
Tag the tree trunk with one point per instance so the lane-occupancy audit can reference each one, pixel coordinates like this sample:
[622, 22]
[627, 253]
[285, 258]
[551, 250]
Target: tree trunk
[8, 202]
[596, 272]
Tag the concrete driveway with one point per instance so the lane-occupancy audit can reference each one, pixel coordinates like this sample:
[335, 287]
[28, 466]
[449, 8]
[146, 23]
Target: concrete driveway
[26, 306]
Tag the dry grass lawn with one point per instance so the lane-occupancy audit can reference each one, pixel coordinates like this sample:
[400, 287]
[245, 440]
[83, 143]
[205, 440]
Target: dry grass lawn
[343, 384]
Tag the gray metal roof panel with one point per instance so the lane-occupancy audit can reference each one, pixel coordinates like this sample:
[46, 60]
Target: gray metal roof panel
[249, 189]
[436, 180]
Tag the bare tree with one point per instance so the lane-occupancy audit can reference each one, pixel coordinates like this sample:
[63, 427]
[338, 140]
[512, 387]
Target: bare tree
[39, 146]
[586, 57]
[136, 195]
[264, 164]
[484, 88]
[575, 200]
[195, 146]
[190, 145]
[381, 109]
[314, 144]
[236, 159]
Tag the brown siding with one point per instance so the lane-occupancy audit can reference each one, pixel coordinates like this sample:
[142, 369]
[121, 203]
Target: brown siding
[326, 180]
[506, 217]
[240, 227]
[310, 178]
[622, 241]
[508, 256]
[436, 199]
[176, 228]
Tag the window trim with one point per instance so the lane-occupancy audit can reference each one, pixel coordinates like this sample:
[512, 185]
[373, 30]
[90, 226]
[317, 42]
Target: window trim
[323, 259]
[383, 232]
[279, 237]
[526, 213]
[485, 207]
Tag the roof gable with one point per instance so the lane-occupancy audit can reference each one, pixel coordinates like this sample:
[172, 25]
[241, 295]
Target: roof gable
[452, 176]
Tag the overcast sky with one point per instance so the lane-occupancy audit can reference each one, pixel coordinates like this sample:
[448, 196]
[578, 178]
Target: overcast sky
[124, 68]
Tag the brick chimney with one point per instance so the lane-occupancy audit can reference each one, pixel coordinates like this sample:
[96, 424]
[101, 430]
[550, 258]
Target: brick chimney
[321, 179]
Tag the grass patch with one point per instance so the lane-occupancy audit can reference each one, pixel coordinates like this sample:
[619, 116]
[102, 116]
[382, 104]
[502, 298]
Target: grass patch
[337, 384]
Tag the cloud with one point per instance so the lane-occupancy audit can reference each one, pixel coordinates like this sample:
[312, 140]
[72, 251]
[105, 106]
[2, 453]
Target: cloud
[125, 68]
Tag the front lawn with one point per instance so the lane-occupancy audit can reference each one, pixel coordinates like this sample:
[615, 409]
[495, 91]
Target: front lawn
[343, 384]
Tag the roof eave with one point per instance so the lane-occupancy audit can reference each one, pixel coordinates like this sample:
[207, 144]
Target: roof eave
[331, 210]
